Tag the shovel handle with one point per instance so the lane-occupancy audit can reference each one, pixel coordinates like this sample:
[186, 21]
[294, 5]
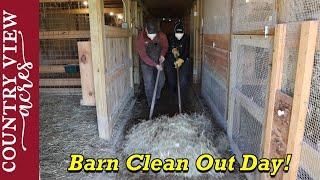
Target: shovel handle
[154, 95]
[179, 93]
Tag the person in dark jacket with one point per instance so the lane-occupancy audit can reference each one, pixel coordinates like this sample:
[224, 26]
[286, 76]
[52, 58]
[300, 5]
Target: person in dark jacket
[152, 46]
[178, 57]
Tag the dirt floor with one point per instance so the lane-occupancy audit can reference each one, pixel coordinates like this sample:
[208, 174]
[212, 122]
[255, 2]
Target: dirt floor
[68, 128]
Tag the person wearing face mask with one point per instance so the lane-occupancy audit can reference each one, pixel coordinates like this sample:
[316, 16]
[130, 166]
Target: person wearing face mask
[178, 57]
[152, 46]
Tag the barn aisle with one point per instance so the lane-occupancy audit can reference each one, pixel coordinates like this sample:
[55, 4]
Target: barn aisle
[68, 128]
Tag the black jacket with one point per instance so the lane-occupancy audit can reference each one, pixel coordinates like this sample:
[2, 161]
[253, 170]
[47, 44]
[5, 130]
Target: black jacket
[182, 45]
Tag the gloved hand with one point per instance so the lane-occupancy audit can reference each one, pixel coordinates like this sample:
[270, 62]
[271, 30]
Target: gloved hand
[175, 52]
[161, 59]
[178, 63]
[159, 67]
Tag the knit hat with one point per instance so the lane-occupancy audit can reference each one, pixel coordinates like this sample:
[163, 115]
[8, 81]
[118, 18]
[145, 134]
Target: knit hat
[179, 28]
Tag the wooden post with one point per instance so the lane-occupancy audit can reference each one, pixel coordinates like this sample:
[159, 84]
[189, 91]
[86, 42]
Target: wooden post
[85, 63]
[136, 24]
[130, 23]
[275, 83]
[128, 18]
[97, 33]
[197, 41]
[305, 64]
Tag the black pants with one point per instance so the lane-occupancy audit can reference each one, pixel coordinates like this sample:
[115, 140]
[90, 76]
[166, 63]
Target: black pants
[184, 72]
[149, 77]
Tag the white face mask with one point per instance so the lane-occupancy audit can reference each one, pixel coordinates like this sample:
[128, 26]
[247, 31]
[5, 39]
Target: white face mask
[179, 36]
[151, 36]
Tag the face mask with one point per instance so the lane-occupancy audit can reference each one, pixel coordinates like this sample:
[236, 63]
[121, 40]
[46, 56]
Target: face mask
[179, 36]
[151, 36]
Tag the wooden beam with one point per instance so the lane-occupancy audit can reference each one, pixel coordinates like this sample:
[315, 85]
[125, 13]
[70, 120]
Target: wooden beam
[97, 33]
[116, 32]
[85, 63]
[254, 40]
[220, 40]
[64, 35]
[80, 11]
[110, 32]
[305, 64]
[44, 69]
[59, 82]
[253, 108]
[59, 61]
[275, 84]
[128, 18]
[280, 128]
[64, 91]
[256, 32]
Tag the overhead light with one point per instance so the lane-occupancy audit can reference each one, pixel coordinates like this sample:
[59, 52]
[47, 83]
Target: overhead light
[85, 3]
[120, 16]
[111, 13]
[247, 1]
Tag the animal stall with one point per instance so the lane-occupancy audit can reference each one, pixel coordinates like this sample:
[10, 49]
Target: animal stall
[118, 70]
[309, 151]
[282, 132]
[64, 23]
[249, 82]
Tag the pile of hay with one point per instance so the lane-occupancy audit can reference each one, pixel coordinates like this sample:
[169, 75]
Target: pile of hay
[182, 136]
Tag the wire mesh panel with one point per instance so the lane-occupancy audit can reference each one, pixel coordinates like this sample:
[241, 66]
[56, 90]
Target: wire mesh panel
[293, 11]
[62, 25]
[290, 58]
[310, 154]
[246, 126]
[64, 16]
[251, 15]
[297, 10]
[216, 16]
[249, 85]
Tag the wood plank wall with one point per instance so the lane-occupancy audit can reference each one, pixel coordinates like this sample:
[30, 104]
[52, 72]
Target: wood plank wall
[118, 74]
[216, 50]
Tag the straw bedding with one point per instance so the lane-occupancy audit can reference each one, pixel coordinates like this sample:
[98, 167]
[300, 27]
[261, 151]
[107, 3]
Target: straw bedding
[181, 136]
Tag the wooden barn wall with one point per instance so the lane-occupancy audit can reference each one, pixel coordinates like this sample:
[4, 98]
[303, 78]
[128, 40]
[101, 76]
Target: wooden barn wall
[118, 72]
[136, 15]
[216, 49]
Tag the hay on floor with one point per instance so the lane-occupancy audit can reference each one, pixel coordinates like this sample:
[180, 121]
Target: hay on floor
[181, 136]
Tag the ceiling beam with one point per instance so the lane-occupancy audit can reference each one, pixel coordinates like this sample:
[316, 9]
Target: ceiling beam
[80, 11]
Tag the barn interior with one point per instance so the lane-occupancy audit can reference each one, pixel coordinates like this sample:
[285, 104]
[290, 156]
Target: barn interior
[254, 80]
